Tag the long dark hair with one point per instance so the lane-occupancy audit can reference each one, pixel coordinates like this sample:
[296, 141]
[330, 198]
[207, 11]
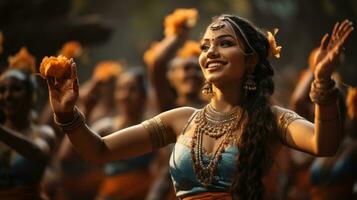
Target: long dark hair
[254, 156]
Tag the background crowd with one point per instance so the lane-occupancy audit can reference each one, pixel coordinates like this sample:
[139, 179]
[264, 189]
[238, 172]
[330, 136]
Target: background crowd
[140, 58]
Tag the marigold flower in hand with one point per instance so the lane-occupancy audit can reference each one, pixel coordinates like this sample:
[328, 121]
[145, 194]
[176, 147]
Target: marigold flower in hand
[54, 66]
[106, 70]
[71, 49]
[23, 60]
[180, 18]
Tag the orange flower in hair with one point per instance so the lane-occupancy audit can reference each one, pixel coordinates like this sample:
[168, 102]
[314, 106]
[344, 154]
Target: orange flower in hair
[54, 66]
[181, 17]
[71, 49]
[1, 41]
[23, 60]
[190, 48]
[351, 102]
[151, 53]
[274, 49]
[106, 70]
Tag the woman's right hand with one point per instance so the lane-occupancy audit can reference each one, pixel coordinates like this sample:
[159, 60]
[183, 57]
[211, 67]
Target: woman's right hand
[63, 93]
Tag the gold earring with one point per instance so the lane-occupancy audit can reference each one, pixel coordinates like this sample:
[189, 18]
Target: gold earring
[250, 84]
[207, 88]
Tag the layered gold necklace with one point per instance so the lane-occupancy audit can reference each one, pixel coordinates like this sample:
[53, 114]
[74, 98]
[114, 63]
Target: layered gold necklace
[215, 125]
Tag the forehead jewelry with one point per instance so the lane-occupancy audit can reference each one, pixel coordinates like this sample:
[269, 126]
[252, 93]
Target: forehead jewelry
[221, 24]
[233, 23]
[217, 25]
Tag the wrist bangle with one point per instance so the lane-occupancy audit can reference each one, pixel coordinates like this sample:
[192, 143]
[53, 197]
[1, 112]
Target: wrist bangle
[323, 92]
[77, 120]
[324, 84]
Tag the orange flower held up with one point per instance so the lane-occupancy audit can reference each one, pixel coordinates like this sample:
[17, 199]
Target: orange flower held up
[55, 66]
[181, 17]
[106, 70]
[23, 60]
[71, 49]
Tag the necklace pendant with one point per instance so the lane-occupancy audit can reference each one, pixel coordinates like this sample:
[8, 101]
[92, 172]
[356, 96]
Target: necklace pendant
[215, 125]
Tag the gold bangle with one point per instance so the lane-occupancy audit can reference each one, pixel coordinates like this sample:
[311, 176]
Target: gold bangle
[323, 92]
[77, 120]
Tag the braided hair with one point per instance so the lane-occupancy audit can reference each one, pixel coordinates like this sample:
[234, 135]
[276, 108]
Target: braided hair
[254, 156]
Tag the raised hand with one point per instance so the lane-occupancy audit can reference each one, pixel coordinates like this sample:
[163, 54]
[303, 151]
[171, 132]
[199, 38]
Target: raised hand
[63, 93]
[330, 50]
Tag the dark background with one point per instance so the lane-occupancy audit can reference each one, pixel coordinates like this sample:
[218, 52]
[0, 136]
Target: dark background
[123, 30]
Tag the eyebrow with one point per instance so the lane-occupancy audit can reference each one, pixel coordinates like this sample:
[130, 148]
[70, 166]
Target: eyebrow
[219, 37]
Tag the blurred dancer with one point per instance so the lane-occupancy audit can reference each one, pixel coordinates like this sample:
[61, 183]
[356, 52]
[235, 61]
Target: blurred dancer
[25, 148]
[129, 178]
[175, 75]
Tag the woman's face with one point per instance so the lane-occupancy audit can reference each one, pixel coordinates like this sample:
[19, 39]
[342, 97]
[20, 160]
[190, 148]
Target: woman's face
[129, 94]
[222, 59]
[185, 76]
[14, 98]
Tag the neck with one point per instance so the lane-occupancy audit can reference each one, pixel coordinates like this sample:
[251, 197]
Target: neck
[226, 98]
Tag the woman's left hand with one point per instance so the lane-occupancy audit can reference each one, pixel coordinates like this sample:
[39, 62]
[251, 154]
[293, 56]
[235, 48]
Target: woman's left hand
[330, 50]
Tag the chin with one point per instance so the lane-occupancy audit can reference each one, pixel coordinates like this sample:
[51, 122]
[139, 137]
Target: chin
[214, 79]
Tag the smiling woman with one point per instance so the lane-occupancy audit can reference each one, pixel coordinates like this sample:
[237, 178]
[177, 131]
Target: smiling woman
[223, 150]
[217, 48]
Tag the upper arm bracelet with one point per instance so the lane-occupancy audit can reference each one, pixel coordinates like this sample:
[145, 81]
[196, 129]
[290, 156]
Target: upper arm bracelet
[160, 135]
[284, 121]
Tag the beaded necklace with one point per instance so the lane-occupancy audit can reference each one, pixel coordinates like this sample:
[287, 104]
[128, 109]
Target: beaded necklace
[215, 125]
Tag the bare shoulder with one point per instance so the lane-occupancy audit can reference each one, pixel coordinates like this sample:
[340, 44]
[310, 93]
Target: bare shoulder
[177, 118]
[178, 112]
[278, 110]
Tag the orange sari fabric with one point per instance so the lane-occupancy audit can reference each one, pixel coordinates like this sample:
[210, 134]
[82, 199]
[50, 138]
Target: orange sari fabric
[130, 185]
[210, 196]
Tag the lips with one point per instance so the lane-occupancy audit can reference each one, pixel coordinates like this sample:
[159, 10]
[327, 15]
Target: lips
[215, 65]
